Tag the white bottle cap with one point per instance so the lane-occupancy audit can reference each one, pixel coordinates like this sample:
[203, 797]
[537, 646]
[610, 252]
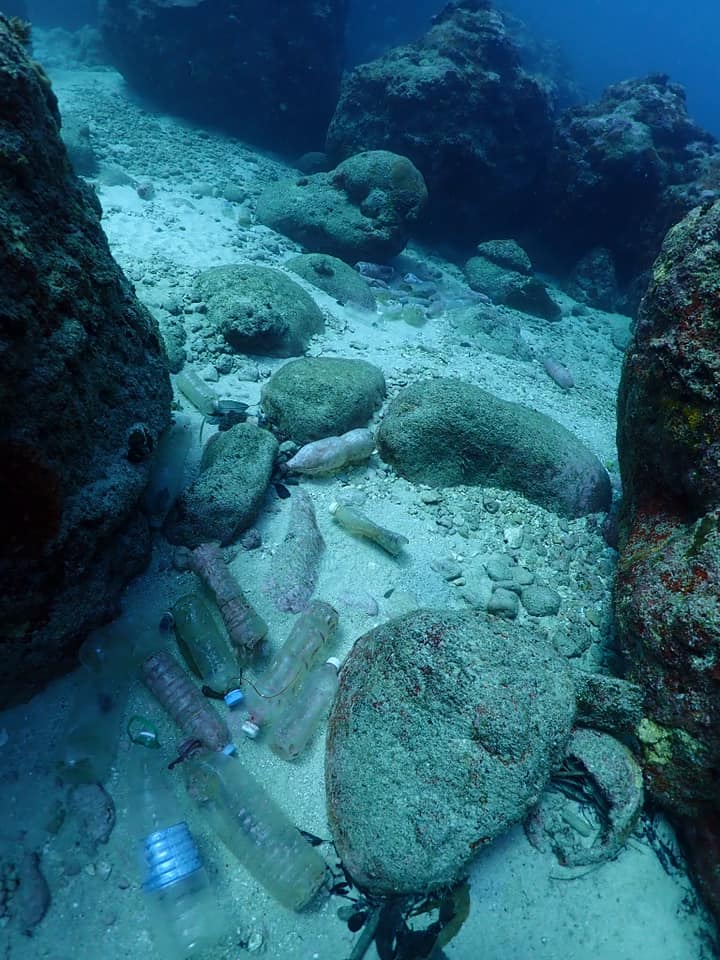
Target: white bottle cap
[250, 729]
[334, 661]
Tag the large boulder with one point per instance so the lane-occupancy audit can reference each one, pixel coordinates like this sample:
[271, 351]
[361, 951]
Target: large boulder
[443, 734]
[268, 72]
[459, 105]
[362, 210]
[84, 394]
[668, 584]
[447, 432]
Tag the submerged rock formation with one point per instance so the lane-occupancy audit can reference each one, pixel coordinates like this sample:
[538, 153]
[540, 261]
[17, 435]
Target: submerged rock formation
[458, 104]
[364, 209]
[668, 586]
[624, 170]
[266, 71]
[83, 387]
[446, 432]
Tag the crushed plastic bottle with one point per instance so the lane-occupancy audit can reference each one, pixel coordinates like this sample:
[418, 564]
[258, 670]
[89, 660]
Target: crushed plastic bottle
[108, 658]
[175, 691]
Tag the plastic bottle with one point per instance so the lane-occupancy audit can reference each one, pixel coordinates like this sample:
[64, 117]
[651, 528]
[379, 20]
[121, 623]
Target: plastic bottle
[254, 828]
[108, 659]
[205, 649]
[184, 918]
[304, 713]
[311, 632]
[175, 691]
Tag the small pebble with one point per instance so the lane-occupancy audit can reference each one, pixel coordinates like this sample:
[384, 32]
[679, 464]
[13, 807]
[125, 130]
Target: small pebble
[448, 569]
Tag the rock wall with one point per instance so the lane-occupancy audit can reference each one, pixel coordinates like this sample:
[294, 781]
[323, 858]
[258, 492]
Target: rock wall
[266, 70]
[84, 393]
[668, 585]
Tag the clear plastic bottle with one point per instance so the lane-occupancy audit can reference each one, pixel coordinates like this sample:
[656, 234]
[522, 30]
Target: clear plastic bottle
[108, 659]
[255, 829]
[310, 633]
[205, 649]
[183, 914]
[305, 712]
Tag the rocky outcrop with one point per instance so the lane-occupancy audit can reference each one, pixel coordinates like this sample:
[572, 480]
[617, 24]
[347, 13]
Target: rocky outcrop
[84, 393]
[624, 170]
[668, 585]
[459, 105]
[268, 72]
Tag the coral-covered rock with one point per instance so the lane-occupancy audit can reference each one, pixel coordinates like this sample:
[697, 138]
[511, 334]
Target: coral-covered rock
[624, 169]
[84, 393]
[459, 105]
[269, 72]
[447, 432]
[362, 210]
[668, 586]
[668, 406]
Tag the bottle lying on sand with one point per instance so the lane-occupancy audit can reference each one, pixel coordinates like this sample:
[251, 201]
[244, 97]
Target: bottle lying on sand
[254, 828]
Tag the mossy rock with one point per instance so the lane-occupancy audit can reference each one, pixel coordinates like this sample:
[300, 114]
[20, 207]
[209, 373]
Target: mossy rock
[335, 277]
[319, 397]
[447, 432]
[259, 309]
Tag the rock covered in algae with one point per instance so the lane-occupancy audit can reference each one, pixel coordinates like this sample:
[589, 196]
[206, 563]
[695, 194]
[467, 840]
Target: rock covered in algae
[444, 733]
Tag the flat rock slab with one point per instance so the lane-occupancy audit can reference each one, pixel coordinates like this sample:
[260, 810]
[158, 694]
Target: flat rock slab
[444, 733]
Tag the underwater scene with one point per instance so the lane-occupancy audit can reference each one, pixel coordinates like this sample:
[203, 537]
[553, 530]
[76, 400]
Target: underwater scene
[359, 480]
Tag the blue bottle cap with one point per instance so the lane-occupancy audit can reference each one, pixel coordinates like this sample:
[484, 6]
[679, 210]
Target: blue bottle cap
[233, 698]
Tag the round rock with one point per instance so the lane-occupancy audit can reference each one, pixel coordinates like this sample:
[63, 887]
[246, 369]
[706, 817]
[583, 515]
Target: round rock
[318, 397]
[335, 277]
[443, 734]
